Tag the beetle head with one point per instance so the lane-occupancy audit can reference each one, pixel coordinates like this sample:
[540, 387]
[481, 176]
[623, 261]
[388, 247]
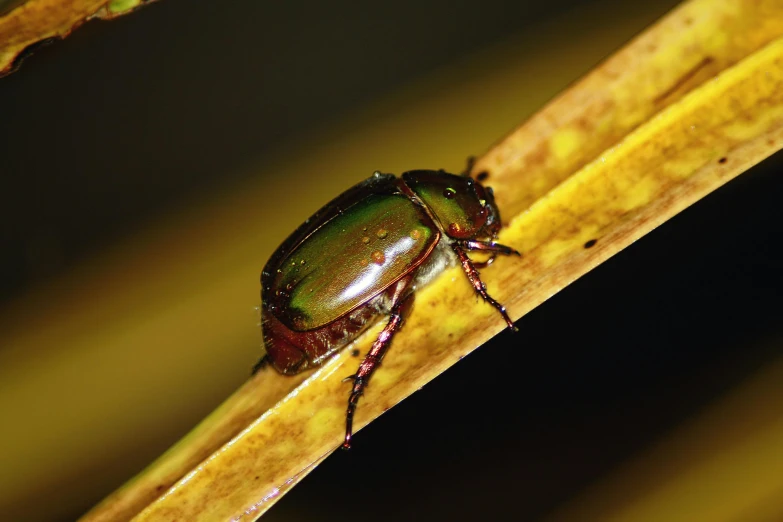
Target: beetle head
[464, 208]
[492, 224]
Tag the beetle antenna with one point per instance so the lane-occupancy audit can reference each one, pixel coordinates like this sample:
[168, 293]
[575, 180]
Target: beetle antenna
[469, 167]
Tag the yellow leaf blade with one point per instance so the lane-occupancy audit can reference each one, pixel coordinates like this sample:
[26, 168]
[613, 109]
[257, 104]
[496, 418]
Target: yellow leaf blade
[688, 47]
[656, 171]
[254, 398]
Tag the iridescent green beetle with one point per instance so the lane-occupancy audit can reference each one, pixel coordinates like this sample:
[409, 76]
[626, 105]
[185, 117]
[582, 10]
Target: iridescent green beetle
[362, 257]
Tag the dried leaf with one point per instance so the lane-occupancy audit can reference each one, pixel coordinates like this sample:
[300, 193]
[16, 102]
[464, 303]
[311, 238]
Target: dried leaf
[26, 25]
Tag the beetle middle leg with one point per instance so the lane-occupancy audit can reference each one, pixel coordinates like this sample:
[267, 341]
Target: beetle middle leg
[473, 276]
[400, 309]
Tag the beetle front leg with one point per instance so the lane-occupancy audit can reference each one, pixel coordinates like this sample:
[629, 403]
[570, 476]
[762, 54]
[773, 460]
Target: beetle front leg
[488, 246]
[373, 359]
[475, 280]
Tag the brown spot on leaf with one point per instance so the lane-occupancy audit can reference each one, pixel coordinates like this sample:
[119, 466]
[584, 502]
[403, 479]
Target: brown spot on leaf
[681, 84]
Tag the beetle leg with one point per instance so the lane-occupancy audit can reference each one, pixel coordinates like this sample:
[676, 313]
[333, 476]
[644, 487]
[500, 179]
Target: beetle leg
[488, 246]
[373, 359]
[475, 280]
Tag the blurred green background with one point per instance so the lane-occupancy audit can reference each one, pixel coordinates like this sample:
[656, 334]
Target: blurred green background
[150, 165]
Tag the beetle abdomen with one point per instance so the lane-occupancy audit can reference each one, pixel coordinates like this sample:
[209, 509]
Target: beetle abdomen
[291, 351]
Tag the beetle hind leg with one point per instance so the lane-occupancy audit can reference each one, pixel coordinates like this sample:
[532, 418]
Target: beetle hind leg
[475, 280]
[374, 357]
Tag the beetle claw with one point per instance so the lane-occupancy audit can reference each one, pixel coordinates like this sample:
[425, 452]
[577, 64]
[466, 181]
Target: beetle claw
[485, 264]
[509, 322]
[350, 378]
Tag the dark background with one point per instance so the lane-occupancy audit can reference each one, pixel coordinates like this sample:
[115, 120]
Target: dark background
[106, 132]
[124, 119]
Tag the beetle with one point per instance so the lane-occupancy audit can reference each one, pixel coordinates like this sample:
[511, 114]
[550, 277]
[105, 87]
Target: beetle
[362, 257]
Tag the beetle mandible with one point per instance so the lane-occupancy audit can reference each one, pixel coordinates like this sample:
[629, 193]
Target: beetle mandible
[362, 257]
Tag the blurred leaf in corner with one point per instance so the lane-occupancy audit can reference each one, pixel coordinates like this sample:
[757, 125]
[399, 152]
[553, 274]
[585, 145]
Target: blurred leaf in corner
[27, 25]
